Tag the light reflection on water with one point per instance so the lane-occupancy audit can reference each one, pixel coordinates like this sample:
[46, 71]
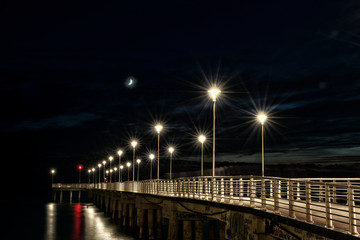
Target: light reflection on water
[80, 221]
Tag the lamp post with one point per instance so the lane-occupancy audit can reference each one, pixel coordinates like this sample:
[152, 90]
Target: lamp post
[93, 170]
[151, 156]
[104, 163]
[52, 175]
[121, 168]
[133, 144]
[202, 139]
[89, 171]
[120, 152]
[110, 160]
[79, 168]
[99, 165]
[138, 161]
[158, 128]
[115, 170]
[213, 93]
[171, 150]
[262, 118]
[128, 164]
[110, 171]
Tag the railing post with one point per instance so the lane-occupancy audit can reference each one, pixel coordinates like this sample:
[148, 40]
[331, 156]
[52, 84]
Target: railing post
[206, 189]
[334, 200]
[298, 191]
[271, 188]
[241, 190]
[231, 190]
[194, 188]
[352, 212]
[213, 189]
[263, 194]
[321, 191]
[328, 209]
[252, 192]
[276, 196]
[201, 187]
[308, 202]
[291, 199]
[222, 190]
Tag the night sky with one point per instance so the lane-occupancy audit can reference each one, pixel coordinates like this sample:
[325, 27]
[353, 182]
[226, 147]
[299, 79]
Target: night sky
[65, 67]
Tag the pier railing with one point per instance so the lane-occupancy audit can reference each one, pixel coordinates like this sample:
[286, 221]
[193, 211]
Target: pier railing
[331, 202]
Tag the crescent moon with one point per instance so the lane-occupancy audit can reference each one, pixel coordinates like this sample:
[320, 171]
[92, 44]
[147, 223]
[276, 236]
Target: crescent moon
[130, 82]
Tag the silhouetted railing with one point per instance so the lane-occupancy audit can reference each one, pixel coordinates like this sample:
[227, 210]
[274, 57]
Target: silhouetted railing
[332, 202]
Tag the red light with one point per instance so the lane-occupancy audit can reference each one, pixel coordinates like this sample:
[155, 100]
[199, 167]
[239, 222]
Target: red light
[79, 167]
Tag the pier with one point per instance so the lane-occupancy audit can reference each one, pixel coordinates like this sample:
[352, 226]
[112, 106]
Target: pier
[232, 207]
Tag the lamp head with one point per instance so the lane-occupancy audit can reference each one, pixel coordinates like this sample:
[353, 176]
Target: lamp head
[262, 118]
[128, 164]
[111, 158]
[171, 150]
[99, 165]
[158, 128]
[138, 161]
[120, 152]
[202, 138]
[213, 93]
[151, 156]
[104, 162]
[133, 143]
[121, 167]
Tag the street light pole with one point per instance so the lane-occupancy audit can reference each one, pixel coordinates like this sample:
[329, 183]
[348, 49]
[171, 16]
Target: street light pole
[99, 165]
[171, 150]
[202, 139]
[128, 164]
[213, 93]
[120, 152]
[262, 118]
[133, 144]
[110, 160]
[104, 163]
[151, 156]
[138, 161]
[158, 128]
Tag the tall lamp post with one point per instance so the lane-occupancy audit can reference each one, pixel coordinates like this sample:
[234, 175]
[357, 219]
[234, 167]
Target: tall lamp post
[133, 144]
[213, 93]
[93, 170]
[202, 139]
[151, 156]
[89, 171]
[79, 168]
[120, 152]
[104, 163]
[138, 161]
[99, 165]
[110, 160]
[121, 168]
[115, 170]
[171, 150]
[52, 175]
[110, 171]
[128, 164]
[158, 128]
[262, 118]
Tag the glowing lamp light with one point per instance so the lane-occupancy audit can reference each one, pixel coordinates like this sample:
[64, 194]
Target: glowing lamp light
[99, 165]
[80, 167]
[151, 156]
[213, 93]
[202, 138]
[120, 152]
[128, 164]
[121, 167]
[52, 171]
[171, 150]
[111, 158]
[104, 162]
[158, 128]
[262, 118]
[93, 169]
[138, 161]
[134, 143]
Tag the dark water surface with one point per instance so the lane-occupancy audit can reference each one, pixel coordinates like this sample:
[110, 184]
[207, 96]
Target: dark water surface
[57, 221]
[80, 221]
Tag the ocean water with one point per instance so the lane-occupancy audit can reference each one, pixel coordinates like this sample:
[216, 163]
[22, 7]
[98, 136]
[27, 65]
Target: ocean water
[60, 221]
